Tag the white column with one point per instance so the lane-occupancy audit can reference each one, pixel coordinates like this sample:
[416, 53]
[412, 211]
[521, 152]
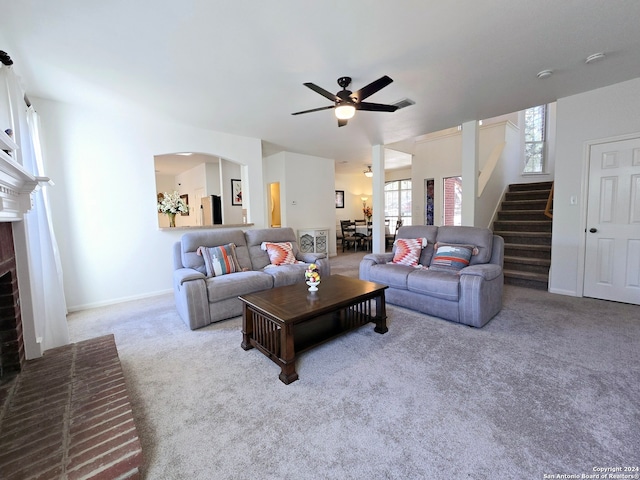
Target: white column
[470, 136]
[377, 164]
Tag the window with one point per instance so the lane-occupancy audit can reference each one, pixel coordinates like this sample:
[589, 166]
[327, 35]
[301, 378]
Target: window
[452, 201]
[534, 139]
[397, 202]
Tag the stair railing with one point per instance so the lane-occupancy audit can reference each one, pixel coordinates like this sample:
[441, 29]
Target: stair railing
[548, 211]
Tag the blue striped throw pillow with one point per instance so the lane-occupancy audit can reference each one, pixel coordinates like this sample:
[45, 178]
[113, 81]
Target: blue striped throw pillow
[220, 260]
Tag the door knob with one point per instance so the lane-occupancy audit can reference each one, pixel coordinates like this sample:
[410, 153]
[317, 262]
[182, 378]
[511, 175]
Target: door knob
[593, 230]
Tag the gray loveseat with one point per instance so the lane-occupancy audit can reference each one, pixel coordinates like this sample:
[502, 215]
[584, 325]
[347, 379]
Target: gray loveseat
[202, 300]
[471, 296]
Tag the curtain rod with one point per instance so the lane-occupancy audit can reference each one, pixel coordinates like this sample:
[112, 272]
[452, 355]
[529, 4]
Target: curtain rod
[5, 58]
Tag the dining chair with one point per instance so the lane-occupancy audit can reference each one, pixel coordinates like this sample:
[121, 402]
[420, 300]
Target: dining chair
[389, 238]
[349, 234]
[367, 239]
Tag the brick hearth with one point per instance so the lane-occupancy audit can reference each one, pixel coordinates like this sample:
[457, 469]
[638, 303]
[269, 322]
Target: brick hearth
[67, 416]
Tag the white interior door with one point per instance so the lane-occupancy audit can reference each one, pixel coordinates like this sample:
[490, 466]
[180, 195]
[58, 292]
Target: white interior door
[612, 255]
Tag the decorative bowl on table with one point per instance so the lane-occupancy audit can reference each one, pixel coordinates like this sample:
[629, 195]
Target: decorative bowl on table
[312, 277]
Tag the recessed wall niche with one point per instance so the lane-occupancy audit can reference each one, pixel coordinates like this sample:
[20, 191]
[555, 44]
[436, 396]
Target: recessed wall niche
[206, 181]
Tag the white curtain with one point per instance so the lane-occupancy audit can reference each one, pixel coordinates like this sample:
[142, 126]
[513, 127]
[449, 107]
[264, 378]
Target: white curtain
[49, 306]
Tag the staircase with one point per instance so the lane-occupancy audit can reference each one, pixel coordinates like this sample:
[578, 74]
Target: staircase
[526, 230]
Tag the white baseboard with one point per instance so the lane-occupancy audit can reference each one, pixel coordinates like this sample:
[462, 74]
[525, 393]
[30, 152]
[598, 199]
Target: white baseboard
[569, 293]
[87, 306]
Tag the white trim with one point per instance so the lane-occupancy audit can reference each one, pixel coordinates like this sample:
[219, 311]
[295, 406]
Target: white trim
[584, 195]
[561, 291]
[115, 301]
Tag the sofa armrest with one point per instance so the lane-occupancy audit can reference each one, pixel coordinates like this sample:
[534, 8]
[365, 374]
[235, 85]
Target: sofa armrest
[320, 259]
[378, 258]
[488, 271]
[310, 257]
[182, 275]
[192, 300]
[371, 259]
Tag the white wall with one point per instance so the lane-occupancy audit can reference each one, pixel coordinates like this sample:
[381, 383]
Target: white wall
[507, 170]
[439, 156]
[103, 203]
[598, 114]
[307, 191]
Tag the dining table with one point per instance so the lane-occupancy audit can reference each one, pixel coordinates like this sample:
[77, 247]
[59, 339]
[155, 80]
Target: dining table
[364, 230]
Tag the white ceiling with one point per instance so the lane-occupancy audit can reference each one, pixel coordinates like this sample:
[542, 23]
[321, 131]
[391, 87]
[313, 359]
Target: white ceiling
[238, 67]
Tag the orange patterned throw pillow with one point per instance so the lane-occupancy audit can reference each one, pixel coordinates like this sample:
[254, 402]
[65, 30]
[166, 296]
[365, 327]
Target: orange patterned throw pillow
[279, 253]
[408, 251]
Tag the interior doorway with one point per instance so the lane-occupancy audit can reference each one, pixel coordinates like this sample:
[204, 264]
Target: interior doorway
[275, 218]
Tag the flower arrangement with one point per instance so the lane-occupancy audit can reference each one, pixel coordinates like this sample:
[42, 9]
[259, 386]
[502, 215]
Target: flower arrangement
[312, 273]
[368, 211]
[172, 204]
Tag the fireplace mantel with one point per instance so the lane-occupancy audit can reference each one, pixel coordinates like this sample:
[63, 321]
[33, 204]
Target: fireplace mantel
[16, 184]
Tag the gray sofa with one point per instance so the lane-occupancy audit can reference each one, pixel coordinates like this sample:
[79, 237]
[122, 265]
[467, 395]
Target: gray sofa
[202, 300]
[471, 296]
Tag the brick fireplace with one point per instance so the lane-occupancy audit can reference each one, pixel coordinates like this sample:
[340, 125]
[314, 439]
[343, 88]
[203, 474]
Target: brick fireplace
[64, 413]
[12, 354]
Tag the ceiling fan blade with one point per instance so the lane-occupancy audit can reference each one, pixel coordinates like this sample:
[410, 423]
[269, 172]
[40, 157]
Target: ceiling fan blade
[372, 88]
[315, 110]
[342, 123]
[376, 107]
[322, 91]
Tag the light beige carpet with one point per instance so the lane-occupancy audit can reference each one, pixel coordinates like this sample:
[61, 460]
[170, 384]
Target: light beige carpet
[549, 386]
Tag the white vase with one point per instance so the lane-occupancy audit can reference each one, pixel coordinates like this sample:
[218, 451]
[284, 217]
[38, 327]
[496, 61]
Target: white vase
[313, 286]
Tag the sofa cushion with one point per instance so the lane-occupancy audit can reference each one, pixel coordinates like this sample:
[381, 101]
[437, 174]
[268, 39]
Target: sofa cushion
[220, 260]
[480, 237]
[433, 283]
[280, 253]
[254, 239]
[408, 250]
[451, 258]
[429, 232]
[239, 283]
[190, 242]
[286, 274]
[390, 274]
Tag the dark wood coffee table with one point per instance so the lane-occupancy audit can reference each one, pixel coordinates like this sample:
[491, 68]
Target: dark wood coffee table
[284, 321]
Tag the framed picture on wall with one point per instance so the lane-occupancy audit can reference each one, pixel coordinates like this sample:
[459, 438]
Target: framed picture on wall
[236, 192]
[339, 198]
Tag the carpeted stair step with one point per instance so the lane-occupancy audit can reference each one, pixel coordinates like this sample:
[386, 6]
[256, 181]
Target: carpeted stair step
[529, 238]
[526, 279]
[532, 215]
[522, 225]
[524, 205]
[527, 264]
[527, 195]
[529, 251]
[515, 187]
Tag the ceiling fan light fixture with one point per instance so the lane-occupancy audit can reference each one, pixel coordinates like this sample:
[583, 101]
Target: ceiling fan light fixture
[345, 111]
[368, 172]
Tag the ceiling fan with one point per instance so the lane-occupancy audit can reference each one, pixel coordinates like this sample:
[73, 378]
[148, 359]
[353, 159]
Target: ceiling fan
[346, 102]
